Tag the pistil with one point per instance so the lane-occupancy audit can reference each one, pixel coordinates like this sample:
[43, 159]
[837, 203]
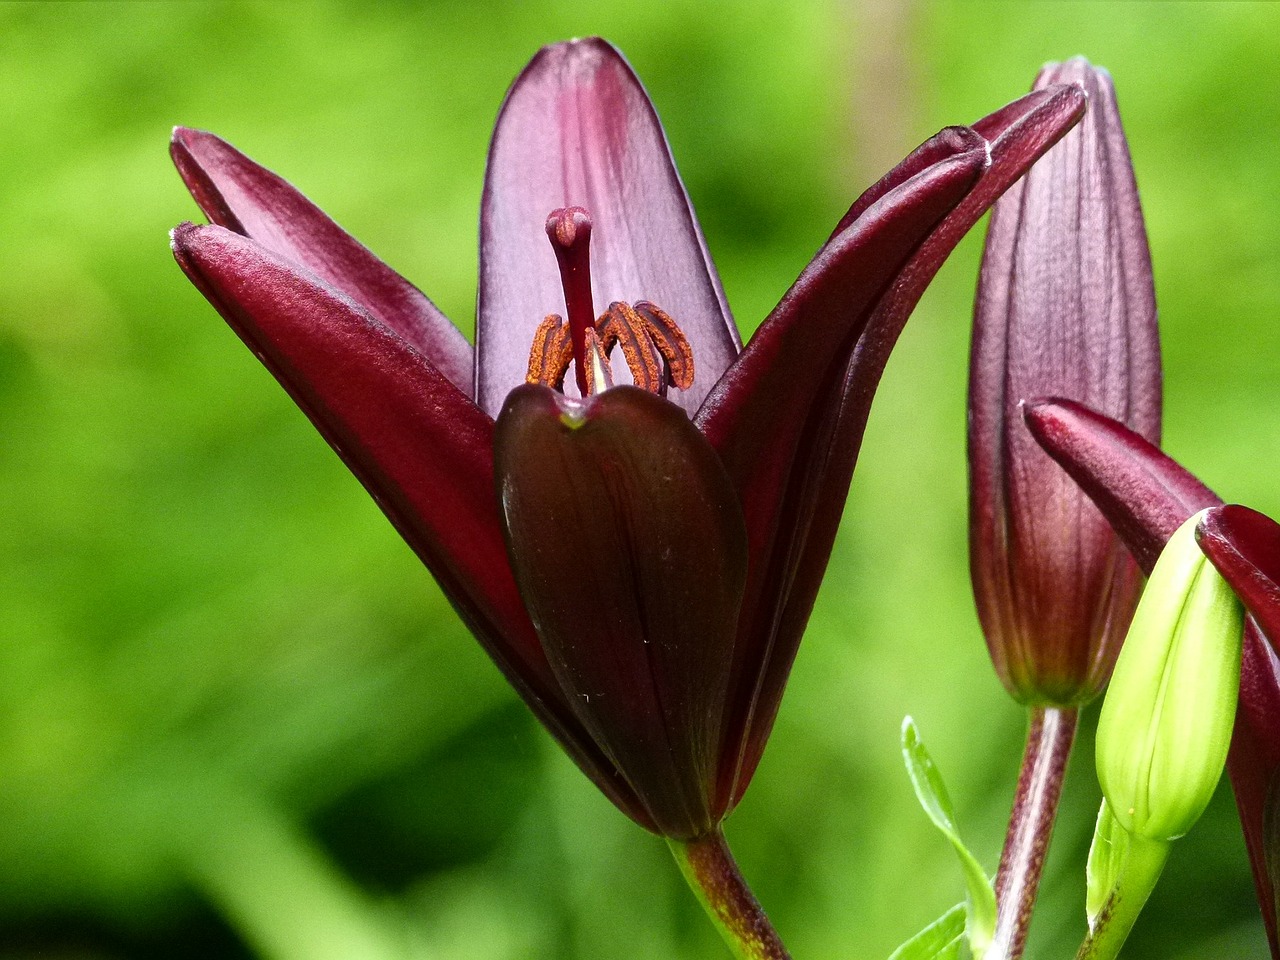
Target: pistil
[656, 350]
[569, 230]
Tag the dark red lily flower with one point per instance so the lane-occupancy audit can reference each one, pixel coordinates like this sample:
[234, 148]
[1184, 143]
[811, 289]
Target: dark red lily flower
[644, 574]
[1065, 307]
[1146, 496]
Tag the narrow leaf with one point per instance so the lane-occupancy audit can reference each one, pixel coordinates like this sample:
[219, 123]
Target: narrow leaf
[932, 794]
[941, 940]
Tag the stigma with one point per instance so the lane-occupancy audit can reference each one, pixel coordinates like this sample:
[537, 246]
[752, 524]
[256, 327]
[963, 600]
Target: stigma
[655, 349]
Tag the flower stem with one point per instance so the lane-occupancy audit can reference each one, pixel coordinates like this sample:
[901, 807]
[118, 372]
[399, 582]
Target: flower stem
[1050, 736]
[712, 874]
[1144, 861]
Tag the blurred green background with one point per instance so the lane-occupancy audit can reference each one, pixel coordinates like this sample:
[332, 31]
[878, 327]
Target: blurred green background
[237, 718]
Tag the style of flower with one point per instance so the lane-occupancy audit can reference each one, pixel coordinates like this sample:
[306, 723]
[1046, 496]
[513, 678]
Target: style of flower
[645, 569]
[1065, 307]
[1146, 496]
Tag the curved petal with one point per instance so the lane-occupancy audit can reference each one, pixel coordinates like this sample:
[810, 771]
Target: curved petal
[577, 129]
[420, 447]
[763, 410]
[236, 193]
[627, 542]
[1254, 765]
[1065, 306]
[1146, 496]
[1245, 547]
[814, 496]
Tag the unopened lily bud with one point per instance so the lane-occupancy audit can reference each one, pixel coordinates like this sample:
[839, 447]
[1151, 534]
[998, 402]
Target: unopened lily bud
[1065, 308]
[1167, 718]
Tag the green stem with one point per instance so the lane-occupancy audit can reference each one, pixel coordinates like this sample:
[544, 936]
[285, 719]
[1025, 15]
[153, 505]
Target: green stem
[713, 875]
[1050, 735]
[1143, 864]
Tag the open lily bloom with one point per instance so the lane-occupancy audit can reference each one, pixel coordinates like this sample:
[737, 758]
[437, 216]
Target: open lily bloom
[639, 561]
[1146, 496]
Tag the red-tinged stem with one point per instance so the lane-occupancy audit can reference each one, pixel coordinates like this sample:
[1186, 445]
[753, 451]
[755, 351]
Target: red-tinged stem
[712, 873]
[1035, 808]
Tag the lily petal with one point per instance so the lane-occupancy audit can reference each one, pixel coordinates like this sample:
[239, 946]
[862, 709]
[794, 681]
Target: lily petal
[1020, 133]
[420, 447]
[1245, 547]
[628, 545]
[1146, 496]
[816, 489]
[1254, 765]
[762, 410]
[577, 129]
[236, 193]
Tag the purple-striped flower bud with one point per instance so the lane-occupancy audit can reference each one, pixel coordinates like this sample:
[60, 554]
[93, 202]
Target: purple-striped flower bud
[1065, 307]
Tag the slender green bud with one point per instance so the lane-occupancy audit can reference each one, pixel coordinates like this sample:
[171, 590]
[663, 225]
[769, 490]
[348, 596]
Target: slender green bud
[1167, 718]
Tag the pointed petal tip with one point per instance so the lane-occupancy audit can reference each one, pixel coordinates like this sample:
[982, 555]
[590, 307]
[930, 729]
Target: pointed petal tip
[1021, 131]
[181, 235]
[583, 51]
[1077, 69]
[190, 139]
[592, 45]
[1078, 73]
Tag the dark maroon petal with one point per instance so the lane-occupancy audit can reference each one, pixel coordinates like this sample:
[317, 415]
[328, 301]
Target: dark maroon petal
[1146, 496]
[948, 142]
[1065, 307]
[628, 545]
[236, 193]
[1245, 547]
[768, 404]
[1018, 133]
[1254, 766]
[419, 446]
[813, 498]
[577, 129]
[1143, 493]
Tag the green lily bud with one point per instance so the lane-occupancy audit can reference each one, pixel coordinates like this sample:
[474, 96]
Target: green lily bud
[1167, 718]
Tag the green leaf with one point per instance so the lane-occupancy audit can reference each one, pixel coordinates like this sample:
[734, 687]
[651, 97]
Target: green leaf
[941, 940]
[932, 794]
[1106, 860]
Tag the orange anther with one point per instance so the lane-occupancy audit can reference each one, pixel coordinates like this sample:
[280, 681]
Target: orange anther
[621, 325]
[551, 353]
[669, 340]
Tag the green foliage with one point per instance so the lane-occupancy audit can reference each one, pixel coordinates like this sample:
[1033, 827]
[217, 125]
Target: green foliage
[943, 939]
[980, 900]
[1106, 860]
